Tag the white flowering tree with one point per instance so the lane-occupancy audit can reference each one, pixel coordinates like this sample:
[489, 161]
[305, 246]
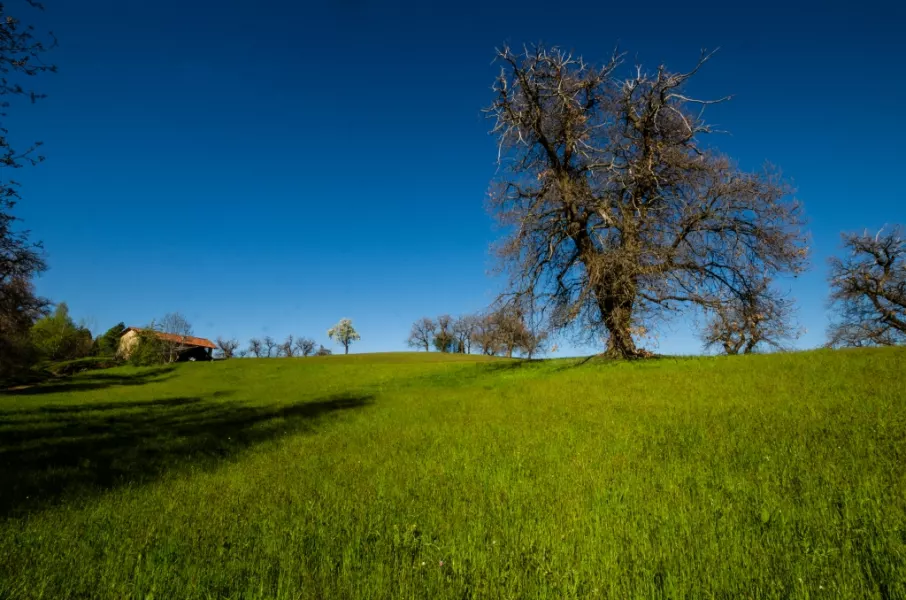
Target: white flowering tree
[344, 333]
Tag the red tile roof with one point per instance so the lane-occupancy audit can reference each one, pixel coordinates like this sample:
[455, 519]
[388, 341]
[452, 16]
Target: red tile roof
[185, 340]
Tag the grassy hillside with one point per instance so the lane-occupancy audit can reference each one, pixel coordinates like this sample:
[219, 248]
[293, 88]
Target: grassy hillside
[429, 476]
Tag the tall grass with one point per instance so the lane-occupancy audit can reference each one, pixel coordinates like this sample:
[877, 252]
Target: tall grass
[422, 476]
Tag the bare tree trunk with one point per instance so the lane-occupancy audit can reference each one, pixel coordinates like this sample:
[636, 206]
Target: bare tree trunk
[619, 341]
[615, 303]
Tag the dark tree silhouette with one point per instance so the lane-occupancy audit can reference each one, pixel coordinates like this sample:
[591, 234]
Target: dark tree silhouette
[21, 259]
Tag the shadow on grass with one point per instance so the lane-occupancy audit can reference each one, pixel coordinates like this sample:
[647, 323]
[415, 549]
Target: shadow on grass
[92, 381]
[48, 453]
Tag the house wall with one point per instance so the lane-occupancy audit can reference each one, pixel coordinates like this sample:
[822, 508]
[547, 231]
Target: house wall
[128, 342]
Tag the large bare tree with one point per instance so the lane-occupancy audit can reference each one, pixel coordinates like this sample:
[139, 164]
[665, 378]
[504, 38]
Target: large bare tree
[618, 214]
[868, 290]
[422, 334]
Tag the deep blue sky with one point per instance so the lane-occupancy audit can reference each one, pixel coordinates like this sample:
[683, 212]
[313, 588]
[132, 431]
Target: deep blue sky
[270, 167]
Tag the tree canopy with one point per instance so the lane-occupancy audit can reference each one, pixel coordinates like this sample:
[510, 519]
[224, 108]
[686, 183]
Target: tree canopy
[617, 215]
[344, 334]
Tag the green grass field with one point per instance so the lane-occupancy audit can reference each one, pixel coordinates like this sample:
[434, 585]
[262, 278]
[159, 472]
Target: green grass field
[429, 476]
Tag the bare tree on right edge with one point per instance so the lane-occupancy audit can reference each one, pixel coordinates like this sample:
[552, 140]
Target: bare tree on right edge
[868, 290]
[422, 334]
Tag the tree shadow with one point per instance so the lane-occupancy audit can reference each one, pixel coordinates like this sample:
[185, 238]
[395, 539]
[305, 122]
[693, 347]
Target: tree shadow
[50, 453]
[92, 381]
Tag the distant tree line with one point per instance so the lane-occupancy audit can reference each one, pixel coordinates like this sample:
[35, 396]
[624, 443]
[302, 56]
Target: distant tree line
[268, 347]
[503, 331]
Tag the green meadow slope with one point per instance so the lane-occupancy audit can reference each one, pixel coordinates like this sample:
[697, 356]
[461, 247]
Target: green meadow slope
[434, 476]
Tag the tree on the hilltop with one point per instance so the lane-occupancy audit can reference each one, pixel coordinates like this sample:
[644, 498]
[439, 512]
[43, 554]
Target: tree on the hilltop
[509, 328]
[226, 347]
[868, 290]
[269, 345]
[20, 258]
[422, 334]
[344, 334]
[484, 335]
[255, 347]
[758, 318]
[287, 347]
[242, 353]
[305, 346]
[322, 351]
[444, 340]
[618, 214]
[463, 329]
[108, 343]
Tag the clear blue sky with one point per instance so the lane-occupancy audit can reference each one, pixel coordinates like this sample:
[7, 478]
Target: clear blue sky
[270, 167]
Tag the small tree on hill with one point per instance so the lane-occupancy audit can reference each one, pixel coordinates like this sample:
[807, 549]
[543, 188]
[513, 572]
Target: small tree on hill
[322, 351]
[463, 329]
[305, 346]
[227, 348]
[422, 334]
[287, 347]
[269, 345]
[255, 347]
[759, 318]
[344, 334]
